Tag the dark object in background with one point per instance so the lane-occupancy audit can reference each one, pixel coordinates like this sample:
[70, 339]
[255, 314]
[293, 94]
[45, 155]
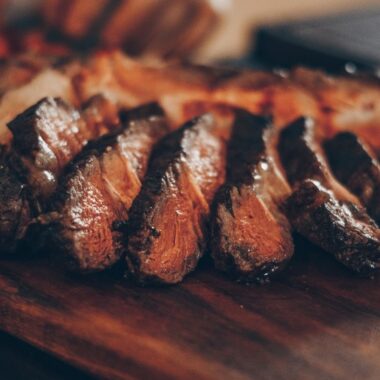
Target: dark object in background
[335, 43]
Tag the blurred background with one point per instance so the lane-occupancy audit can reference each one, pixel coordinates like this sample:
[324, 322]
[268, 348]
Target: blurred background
[202, 30]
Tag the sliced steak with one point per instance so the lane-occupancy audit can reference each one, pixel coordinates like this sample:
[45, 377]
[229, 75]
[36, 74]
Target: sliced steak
[346, 103]
[320, 208]
[355, 165]
[97, 191]
[48, 82]
[168, 218]
[251, 236]
[46, 137]
[15, 206]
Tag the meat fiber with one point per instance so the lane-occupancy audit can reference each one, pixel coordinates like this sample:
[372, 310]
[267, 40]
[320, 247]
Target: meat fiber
[251, 236]
[320, 208]
[97, 191]
[167, 221]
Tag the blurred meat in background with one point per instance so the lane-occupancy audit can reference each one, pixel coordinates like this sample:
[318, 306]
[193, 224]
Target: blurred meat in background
[203, 30]
[165, 28]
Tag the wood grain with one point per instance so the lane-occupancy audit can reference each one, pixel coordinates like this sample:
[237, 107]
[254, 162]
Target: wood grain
[317, 321]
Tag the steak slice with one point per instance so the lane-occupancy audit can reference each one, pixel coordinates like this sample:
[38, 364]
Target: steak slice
[46, 137]
[355, 165]
[49, 82]
[167, 220]
[251, 236]
[97, 191]
[320, 208]
[347, 103]
[15, 206]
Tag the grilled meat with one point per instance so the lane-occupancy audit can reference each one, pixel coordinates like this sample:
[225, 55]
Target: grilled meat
[167, 220]
[49, 82]
[97, 191]
[46, 137]
[346, 103]
[251, 236]
[337, 103]
[179, 87]
[320, 208]
[16, 207]
[355, 165]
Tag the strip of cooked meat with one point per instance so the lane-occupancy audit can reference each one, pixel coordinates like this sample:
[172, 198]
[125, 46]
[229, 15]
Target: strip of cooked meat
[97, 191]
[20, 69]
[320, 208]
[49, 82]
[46, 137]
[346, 103]
[251, 236]
[15, 206]
[167, 220]
[178, 86]
[355, 165]
[338, 103]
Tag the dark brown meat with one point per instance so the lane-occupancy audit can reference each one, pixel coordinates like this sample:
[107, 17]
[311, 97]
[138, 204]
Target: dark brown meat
[167, 220]
[320, 208]
[46, 137]
[355, 165]
[251, 236]
[15, 207]
[99, 187]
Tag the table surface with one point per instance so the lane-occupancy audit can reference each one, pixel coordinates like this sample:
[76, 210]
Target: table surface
[315, 321]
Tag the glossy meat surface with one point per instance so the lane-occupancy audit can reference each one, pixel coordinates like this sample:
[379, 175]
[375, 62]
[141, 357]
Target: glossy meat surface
[251, 236]
[46, 137]
[98, 189]
[320, 208]
[355, 165]
[167, 225]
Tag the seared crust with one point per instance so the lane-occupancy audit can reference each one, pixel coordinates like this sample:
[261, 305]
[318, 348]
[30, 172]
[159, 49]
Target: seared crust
[98, 189]
[320, 208]
[357, 168]
[340, 228]
[46, 137]
[168, 218]
[346, 103]
[16, 208]
[251, 236]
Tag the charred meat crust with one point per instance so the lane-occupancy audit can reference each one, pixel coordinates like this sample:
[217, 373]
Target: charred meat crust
[45, 138]
[98, 188]
[16, 208]
[167, 221]
[340, 228]
[251, 236]
[357, 168]
[320, 209]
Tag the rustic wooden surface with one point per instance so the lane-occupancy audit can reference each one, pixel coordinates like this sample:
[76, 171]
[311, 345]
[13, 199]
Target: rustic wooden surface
[317, 321]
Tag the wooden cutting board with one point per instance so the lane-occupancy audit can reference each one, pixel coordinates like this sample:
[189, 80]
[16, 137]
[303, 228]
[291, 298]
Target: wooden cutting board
[317, 321]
